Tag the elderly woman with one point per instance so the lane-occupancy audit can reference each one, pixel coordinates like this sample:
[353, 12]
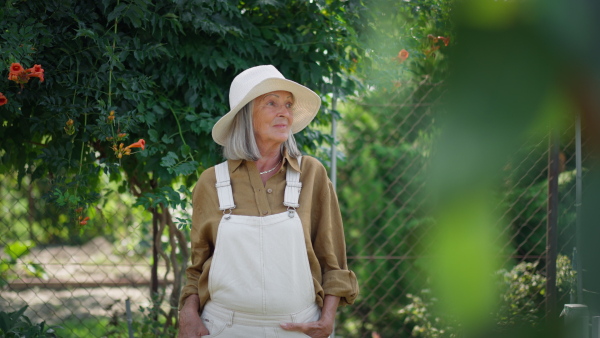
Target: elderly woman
[268, 249]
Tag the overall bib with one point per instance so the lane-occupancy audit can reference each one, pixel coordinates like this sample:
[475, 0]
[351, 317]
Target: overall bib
[259, 275]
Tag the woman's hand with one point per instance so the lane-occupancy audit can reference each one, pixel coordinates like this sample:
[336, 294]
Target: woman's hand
[321, 328]
[190, 323]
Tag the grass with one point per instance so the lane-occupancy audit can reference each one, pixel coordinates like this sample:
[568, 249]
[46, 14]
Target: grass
[92, 327]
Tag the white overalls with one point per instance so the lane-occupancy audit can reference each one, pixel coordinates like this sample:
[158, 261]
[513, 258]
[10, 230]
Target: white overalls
[259, 275]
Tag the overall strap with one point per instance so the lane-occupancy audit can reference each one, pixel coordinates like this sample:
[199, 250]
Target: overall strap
[224, 187]
[293, 187]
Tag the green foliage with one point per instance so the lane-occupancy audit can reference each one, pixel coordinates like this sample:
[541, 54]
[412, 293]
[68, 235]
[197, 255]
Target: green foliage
[420, 316]
[148, 321]
[165, 195]
[164, 69]
[16, 324]
[152, 324]
[522, 290]
[524, 294]
[414, 26]
[91, 327]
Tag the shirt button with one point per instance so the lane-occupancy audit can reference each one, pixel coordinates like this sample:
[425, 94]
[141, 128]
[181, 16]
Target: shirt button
[269, 191]
[265, 212]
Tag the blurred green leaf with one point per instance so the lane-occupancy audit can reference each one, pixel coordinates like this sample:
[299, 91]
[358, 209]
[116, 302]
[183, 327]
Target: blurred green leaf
[17, 249]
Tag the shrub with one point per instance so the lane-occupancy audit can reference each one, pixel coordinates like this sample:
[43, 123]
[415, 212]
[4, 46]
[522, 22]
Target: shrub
[16, 324]
[522, 296]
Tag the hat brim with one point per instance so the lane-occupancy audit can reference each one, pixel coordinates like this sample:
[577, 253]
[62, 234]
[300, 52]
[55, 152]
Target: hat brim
[305, 108]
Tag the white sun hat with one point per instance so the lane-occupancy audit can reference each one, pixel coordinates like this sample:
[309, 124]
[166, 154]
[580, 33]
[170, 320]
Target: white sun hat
[259, 80]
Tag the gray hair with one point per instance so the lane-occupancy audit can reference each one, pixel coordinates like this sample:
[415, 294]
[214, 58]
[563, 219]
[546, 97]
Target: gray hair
[241, 144]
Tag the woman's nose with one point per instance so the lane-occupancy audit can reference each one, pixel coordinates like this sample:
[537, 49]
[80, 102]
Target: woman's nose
[284, 111]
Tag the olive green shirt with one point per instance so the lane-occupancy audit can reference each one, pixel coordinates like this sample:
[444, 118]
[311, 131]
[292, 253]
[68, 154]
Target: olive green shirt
[319, 212]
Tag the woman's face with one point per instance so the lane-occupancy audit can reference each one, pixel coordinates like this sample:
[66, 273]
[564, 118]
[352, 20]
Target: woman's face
[272, 117]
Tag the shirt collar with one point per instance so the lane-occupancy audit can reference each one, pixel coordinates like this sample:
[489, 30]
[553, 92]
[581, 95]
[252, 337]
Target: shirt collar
[292, 161]
[235, 164]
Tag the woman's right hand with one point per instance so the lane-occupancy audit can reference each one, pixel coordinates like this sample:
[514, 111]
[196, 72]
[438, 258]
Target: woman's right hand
[190, 323]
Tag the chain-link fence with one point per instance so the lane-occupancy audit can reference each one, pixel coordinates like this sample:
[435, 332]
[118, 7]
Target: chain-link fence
[79, 276]
[382, 188]
[70, 274]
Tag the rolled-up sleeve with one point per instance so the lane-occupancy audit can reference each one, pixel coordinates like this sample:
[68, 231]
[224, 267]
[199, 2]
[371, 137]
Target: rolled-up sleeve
[330, 248]
[201, 249]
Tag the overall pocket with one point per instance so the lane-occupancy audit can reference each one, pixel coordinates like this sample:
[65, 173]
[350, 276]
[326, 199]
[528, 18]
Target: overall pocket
[214, 326]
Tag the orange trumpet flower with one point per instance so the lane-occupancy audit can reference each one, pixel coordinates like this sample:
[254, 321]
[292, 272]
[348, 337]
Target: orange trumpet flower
[18, 74]
[139, 144]
[16, 68]
[403, 55]
[36, 69]
[38, 75]
[3, 99]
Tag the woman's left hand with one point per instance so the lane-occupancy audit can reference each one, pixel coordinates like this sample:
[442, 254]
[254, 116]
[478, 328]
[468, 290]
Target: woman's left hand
[319, 329]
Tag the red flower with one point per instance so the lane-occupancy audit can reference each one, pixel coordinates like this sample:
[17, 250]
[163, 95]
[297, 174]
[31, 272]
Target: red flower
[18, 74]
[402, 55]
[16, 68]
[84, 221]
[36, 69]
[139, 144]
[38, 75]
[3, 99]
[20, 77]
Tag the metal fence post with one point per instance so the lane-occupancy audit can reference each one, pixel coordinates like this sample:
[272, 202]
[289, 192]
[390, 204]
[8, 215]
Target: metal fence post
[578, 192]
[129, 317]
[576, 320]
[551, 235]
[596, 327]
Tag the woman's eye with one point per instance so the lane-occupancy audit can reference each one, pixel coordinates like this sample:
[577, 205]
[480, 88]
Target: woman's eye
[270, 103]
[288, 105]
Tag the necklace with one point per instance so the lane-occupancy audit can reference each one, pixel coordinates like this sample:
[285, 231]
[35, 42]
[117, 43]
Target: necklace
[268, 171]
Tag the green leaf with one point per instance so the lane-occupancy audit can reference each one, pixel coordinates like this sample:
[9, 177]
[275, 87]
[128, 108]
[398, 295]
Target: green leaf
[153, 135]
[167, 140]
[185, 150]
[18, 249]
[169, 160]
[186, 168]
[116, 12]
